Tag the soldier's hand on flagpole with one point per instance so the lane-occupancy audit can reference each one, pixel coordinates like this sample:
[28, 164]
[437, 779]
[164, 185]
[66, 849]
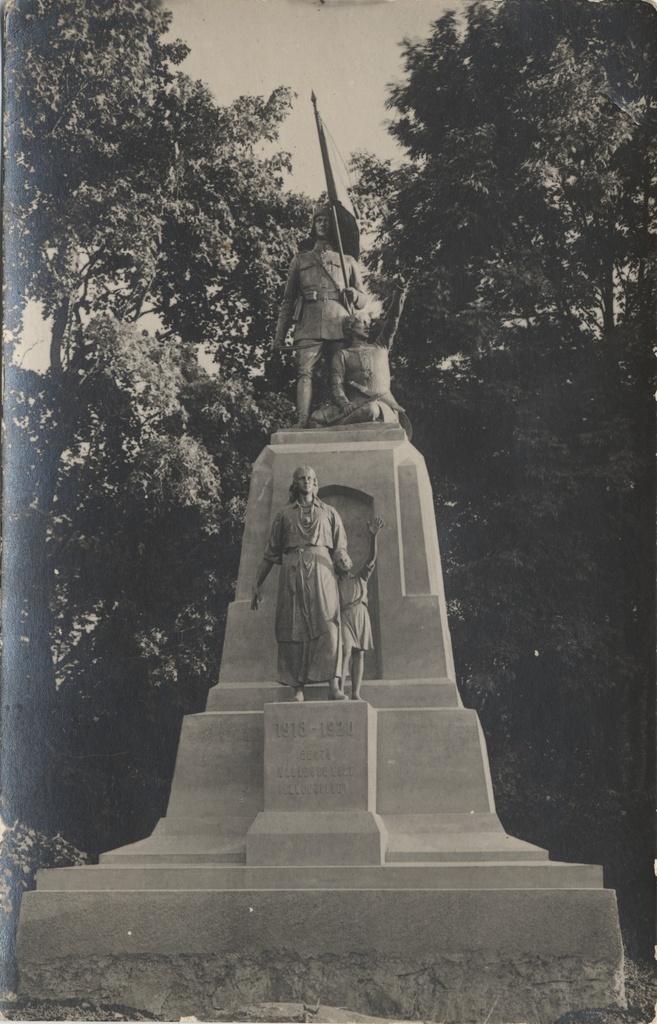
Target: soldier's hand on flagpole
[350, 295]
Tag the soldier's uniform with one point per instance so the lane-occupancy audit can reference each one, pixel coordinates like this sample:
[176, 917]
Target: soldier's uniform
[313, 301]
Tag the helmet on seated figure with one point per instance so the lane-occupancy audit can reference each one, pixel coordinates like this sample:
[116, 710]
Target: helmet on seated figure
[356, 326]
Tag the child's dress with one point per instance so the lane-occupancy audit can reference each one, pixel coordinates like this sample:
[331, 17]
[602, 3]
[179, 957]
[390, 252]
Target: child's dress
[356, 627]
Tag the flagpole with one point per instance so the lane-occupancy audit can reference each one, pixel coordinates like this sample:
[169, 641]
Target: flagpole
[332, 194]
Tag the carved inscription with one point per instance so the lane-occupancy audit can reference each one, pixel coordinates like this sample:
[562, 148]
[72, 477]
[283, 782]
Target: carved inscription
[290, 730]
[313, 769]
[313, 788]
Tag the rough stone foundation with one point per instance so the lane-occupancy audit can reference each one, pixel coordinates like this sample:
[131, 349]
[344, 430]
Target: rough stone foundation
[454, 990]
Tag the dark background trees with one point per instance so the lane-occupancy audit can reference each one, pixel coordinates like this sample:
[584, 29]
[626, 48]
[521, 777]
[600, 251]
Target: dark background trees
[526, 213]
[148, 225]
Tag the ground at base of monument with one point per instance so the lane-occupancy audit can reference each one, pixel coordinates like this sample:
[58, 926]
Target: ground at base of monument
[68, 1010]
[640, 982]
[282, 1013]
[259, 1013]
[255, 1013]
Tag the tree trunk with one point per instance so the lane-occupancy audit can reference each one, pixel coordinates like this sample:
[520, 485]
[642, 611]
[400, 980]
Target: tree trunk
[29, 696]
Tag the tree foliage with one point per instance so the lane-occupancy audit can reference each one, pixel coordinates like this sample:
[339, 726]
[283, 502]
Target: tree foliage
[147, 224]
[23, 851]
[131, 191]
[525, 212]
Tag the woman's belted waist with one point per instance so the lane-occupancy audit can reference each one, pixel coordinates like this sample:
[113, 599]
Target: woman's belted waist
[317, 555]
[306, 547]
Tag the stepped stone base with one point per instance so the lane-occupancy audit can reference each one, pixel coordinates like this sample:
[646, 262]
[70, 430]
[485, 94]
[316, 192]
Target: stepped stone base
[382, 693]
[429, 909]
[169, 874]
[325, 838]
[442, 955]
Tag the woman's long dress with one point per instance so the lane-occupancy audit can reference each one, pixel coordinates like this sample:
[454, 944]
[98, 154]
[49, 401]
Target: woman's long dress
[302, 541]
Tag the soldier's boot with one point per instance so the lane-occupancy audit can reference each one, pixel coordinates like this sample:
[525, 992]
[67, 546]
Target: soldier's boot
[304, 399]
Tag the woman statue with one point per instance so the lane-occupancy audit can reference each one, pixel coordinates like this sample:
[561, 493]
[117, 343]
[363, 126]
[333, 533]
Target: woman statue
[305, 535]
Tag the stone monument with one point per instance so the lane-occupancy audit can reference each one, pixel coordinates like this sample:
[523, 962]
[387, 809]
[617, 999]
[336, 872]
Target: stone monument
[346, 851]
[342, 851]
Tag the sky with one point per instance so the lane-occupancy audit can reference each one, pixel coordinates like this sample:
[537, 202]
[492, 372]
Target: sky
[347, 51]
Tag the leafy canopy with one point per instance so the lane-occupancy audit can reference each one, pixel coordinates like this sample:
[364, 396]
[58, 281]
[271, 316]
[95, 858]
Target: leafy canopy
[146, 222]
[524, 213]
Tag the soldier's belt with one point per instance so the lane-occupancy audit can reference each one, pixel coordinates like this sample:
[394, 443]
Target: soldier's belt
[315, 297]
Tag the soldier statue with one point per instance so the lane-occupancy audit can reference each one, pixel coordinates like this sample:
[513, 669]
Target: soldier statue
[317, 300]
[360, 374]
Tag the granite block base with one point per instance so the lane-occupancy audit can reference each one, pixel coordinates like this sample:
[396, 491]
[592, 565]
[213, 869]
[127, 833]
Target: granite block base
[460, 957]
[330, 837]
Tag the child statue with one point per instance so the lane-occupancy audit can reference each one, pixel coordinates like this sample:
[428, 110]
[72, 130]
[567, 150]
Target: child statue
[355, 618]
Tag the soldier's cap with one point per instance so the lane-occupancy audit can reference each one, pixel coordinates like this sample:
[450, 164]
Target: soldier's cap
[321, 209]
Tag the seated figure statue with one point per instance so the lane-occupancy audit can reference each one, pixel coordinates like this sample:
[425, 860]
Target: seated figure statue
[360, 373]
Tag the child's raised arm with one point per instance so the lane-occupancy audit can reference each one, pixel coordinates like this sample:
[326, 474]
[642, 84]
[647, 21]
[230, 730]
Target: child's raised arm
[374, 528]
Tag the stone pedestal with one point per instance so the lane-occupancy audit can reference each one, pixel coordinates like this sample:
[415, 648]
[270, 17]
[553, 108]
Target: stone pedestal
[363, 471]
[319, 787]
[349, 852]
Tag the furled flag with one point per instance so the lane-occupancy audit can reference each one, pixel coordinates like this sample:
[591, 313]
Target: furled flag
[347, 218]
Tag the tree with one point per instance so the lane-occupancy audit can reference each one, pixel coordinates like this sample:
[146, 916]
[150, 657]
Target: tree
[526, 213]
[141, 218]
[142, 199]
